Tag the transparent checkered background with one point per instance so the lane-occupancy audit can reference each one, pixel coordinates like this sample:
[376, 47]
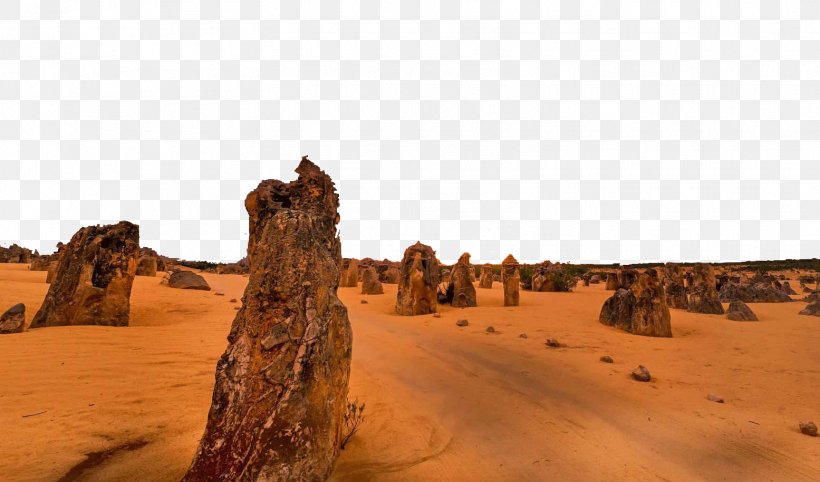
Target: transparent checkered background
[576, 131]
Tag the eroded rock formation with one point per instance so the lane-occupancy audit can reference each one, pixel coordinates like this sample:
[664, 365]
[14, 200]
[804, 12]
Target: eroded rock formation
[370, 282]
[641, 309]
[350, 277]
[187, 280]
[147, 262]
[675, 287]
[627, 276]
[92, 281]
[390, 275]
[418, 281]
[511, 279]
[761, 292]
[611, 281]
[740, 311]
[15, 254]
[13, 320]
[485, 280]
[281, 385]
[703, 296]
[461, 284]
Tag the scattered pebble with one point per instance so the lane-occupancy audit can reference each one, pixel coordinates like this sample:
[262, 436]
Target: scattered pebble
[552, 343]
[714, 398]
[522, 335]
[236, 308]
[607, 359]
[490, 329]
[641, 374]
[364, 302]
[462, 323]
[436, 315]
[219, 293]
[233, 300]
[808, 428]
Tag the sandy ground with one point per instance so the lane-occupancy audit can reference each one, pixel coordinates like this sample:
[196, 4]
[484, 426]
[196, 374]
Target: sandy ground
[443, 403]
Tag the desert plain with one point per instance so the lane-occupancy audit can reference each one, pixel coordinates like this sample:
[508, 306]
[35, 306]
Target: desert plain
[442, 402]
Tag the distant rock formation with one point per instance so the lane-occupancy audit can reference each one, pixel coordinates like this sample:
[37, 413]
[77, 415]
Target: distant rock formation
[147, 262]
[611, 281]
[461, 284]
[390, 275]
[511, 280]
[13, 320]
[92, 282]
[675, 287]
[739, 311]
[787, 288]
[761, 292]
[586, 277]
[350, 277]
[703, 296]
[15, 254]
[641, 309]
[485, 280]
[187, 280]
[281, 385]
[370, 282]
[418, 280]
[595, 279]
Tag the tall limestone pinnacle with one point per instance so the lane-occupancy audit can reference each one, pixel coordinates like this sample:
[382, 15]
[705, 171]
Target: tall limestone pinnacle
[281, 385]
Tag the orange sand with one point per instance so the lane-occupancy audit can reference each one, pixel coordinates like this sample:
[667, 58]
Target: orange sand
[443, 403]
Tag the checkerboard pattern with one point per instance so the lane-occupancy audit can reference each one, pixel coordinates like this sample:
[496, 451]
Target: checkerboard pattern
[568, 130]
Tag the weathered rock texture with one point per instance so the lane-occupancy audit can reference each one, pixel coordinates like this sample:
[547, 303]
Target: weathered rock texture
[812, 309]
[418, 281]
[390, 275]
[13, 320]
[486, 278]
[787, 288]
[703, 296]
[511, 280]
[147, 262]
[52, 271]
[675, 287]
[281, 385]
[92, 282]
[187, 280]
[370, 282]
[461, 285]
[627, 276]
[350, 277]
[740, 311]
[611, 281]
[761, 292]
[15, 254]
[595, 279]
[641, 309]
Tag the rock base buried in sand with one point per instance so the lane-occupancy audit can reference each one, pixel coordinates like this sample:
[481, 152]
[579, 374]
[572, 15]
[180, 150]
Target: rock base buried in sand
[490, 329]
[813, 309]
[13, 320]
[188, 280]
[808, 428]
[463, 323]
[641, 374]
[552, 343]
[607, 359]
[523, 335]
[739, 311]
[714, 398]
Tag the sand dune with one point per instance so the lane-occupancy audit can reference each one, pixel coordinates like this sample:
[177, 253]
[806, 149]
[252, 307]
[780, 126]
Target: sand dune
[443, 403]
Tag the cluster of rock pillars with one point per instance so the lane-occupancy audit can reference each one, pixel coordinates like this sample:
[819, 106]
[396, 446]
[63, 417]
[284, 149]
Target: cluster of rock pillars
[281, 385]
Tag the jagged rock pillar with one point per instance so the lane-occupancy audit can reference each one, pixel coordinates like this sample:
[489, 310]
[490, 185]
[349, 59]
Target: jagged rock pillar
[461, 282]
[675, 287]
[281, 385]
[641, 309]
[511, 279]
[418, 279]
[703, 296]
[485, 280]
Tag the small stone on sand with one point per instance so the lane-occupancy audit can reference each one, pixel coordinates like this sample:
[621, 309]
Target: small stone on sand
[233, 300]
[436, 315]
[364, 302]
[219, 293]
[808, 428]
[490, 329]
[522, 335]
[463, 323]
[714, 398]
[552, 343]
[641, 374]
[607, 359]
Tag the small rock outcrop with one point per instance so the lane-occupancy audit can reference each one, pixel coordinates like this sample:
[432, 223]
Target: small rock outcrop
[461, 285]
[370, 282]
[760, 292]
[812, 309]
[740, 311]
[92, 282]
[187, 280]
[462, 322]
[808, 428]
[641, 309]
[607, 359]
[13, 320]
[511, 280]
[281, 386]
[595, 279]
[390, 275]
[641, 374]
[611, 281]
[787, 288]
[350, 277]
[418, 281]
[15, 254]
[485, 280]
[703, 296]
[147, 262]
[675, 287]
